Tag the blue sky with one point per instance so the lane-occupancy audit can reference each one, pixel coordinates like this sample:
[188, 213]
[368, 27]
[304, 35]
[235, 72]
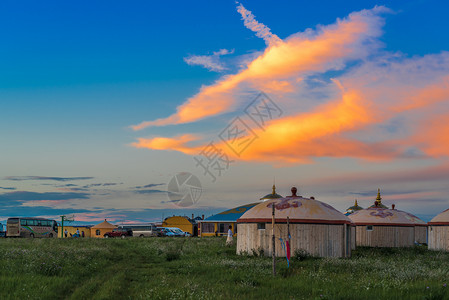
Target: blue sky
[75, 76]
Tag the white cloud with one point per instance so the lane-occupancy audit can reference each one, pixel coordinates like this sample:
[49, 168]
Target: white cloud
[261, 30]
[210, 62]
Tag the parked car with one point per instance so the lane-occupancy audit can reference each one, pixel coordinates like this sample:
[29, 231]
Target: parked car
[164, 231]
[122, 232]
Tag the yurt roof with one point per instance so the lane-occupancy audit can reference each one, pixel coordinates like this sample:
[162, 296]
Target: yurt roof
[441, 219]
[104, 224]
[378, 202]
[273, 195]
[353, 208]
[385, 216]
[230, 215]
[356, 206]
[297, 209]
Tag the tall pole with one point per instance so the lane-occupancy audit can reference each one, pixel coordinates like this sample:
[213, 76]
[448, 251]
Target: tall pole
[289, 246]
[274, 242]
[62, 226]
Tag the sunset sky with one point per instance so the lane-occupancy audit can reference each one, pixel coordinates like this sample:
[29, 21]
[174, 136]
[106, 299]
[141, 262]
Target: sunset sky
[103, 102]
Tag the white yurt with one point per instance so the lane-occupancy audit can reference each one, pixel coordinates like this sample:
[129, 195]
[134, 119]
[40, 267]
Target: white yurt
[439, 231]
[377, 226]
[315, 227]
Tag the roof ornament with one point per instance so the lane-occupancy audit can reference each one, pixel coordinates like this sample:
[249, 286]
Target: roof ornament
[294, 190]
[378, 198]
[355, 203]
[272, 195]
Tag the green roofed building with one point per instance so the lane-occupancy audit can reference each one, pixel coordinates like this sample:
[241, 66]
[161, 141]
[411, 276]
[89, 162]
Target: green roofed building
[271, 196]
[353, 208]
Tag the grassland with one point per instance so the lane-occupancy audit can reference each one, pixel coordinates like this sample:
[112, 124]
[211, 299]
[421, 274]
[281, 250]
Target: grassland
[193, 268]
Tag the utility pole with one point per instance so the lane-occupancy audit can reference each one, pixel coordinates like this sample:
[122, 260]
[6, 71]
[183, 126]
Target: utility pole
[273, 241]
[62, 226]
[67, 219]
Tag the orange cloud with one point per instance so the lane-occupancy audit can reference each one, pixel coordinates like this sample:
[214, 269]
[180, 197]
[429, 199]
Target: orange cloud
[382, 89]
[298, 137]
[174, 144]
[325, 131]
[433, 135]
[348, 39]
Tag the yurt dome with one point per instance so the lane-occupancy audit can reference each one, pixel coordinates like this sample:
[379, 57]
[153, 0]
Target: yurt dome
[297, 208]
[353, 209]
[378, 226]
[441, 219]
[385, 216]
[439, 231]
[314, 227]
[273, 195]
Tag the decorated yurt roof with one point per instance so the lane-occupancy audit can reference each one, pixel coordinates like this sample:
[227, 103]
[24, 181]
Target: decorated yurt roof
[230, 215]
[353, 208]
[441, 218]
[273, 195]
[378, 202]
[297, 208]
[385, 216]
[104, 224]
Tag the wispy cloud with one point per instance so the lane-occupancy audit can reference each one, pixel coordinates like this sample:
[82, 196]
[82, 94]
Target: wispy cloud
[37, 211]
[261, 30]
[23, 178]
[31, 196]
[320, 50]
[149, 191]
[7, 188]
[210, 62]
[149, 185]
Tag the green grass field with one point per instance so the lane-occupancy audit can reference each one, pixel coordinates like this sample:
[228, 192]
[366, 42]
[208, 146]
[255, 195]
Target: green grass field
[194, 268]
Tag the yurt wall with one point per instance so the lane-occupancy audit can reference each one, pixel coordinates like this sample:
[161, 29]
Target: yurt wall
[353, 237]
[385, 236]
[439, 231]
[421, 234]
[439, 237]
[324, 240]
